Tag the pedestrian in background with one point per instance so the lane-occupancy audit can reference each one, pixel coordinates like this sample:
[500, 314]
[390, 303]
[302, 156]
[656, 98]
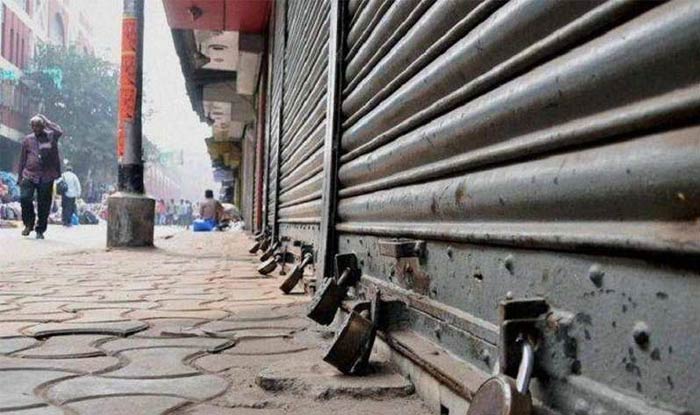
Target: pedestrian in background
[39, 166]
[160, 210]
[170, 208]
[72, 190]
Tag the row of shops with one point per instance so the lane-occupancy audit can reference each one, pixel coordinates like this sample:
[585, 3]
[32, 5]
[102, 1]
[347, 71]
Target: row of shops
[493, 168]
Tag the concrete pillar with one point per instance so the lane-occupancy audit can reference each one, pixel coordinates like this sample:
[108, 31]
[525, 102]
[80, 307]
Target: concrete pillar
[131, 212]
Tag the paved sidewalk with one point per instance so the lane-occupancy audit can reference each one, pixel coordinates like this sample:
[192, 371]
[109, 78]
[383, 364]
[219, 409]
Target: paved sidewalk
[176, 329]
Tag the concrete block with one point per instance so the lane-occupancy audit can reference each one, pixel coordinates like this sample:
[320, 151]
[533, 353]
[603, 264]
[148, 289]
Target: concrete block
[131, 220]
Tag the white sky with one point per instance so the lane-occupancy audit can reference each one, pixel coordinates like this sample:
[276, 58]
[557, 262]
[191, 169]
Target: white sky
[174, 125]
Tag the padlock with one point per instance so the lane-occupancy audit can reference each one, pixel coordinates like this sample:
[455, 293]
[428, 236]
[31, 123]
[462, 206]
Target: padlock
[255, 248]
[328, 298]
[503, 395]
[331, 293]
[269, 265]
[265, 244]
[270, 251]
[296, 274]
[352, 346]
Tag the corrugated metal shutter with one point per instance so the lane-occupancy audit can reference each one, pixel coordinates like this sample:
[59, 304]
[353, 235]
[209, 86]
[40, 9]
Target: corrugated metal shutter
[304, 121]
[535, 145]
[276, 110]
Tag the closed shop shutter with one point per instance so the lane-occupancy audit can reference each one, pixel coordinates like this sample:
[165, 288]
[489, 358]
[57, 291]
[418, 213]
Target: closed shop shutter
[278, 29]
[540, 149]
[304, 121]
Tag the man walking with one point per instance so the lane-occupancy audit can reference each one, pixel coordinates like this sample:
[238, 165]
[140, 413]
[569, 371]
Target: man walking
[39, 166]
[72, 192]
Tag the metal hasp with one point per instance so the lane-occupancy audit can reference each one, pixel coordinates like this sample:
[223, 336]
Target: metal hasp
[503, 395]
[331, 294]
[408, 254]
[508, 393]
[297, 273]
[401, 248]
[518, 318]
[352, 346]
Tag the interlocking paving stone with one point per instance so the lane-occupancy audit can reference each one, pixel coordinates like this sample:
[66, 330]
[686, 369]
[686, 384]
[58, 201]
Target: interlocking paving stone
[42, 410]
[245, 334]
[78, 365]
[203, 343]
[13, 329]
[101, 315]
[57, 299]
[156, 363]
[223, 361]
[204, 314]
[230, 326]
[13, 344]
[162, 326]
[127, 305]
[17, 386]
[196, 388]
[275, 345]
[42, 308]
[205, 409]
[65, 347]
[8, 307]
[201, 297]
[127, 405]
[183, 305]
[38, 318]
[118, 328]
[320, 380]
[173, 362]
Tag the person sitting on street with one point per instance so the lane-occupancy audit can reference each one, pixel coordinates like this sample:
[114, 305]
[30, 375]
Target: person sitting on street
[39, 166]
[210, 213]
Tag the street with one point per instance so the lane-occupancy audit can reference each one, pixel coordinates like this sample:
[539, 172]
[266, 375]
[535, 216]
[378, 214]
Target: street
[14, 247]
[187, 328]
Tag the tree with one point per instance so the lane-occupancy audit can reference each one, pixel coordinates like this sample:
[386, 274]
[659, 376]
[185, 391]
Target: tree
[79, 91]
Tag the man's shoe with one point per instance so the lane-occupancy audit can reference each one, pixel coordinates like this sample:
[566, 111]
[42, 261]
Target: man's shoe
[27, 230]
[39, 235]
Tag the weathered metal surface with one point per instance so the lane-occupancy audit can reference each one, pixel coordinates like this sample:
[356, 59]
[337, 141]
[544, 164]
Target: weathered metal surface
[427, 31]
[390, 23]
[503, 34]
[545, 104]
[365, 17]
[540, 149]
[276, 105]
[301, 148]
[588, 349]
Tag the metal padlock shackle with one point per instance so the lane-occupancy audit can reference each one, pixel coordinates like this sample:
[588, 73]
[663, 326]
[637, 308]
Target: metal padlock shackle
[296, 274]
[527, 365]
[503, 395]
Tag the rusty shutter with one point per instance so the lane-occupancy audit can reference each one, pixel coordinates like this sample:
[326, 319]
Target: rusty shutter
[304, 121]
[539, 148]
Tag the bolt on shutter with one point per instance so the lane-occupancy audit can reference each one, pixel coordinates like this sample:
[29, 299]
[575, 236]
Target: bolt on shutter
[561, 135]
[304, 120]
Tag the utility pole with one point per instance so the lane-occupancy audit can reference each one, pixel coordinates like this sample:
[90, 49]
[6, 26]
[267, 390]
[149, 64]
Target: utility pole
[131, 212]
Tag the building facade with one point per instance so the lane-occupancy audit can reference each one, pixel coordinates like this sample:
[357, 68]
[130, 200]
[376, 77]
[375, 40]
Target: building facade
[24, 24]
[495, 168]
